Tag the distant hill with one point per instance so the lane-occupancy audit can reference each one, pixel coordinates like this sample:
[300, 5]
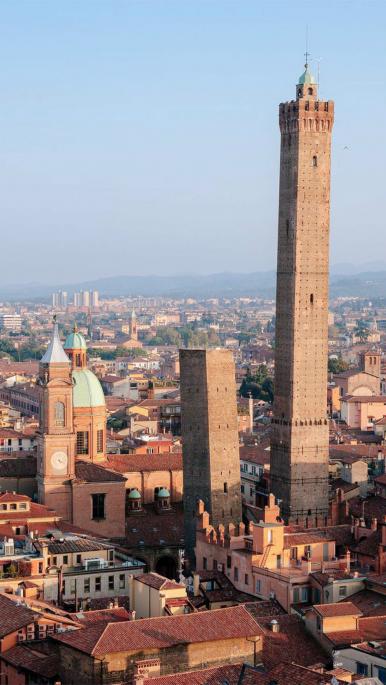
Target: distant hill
[368, 284]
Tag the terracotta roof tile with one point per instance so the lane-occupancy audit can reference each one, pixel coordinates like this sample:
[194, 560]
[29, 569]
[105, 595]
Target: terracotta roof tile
[13, 617]
[340, 609]
[164, 632]
[32, 659]
[95, 473]
[129, 463]
[158, 582]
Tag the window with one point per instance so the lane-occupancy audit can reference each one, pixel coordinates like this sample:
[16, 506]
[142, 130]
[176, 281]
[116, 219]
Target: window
[214, 564]
[111, 582]
[98, 506]
[229, 562]
[65, 559]
[362, 669]
[78, 360]
[381, 674]
[82, 442]
[54, 561]
[312, 298]
[270, 536]
[242, 488]
[122, 581]
[59, 414]
[111, 555]
[236, 573]
[246, 579]
[13, 507]
[100, 441]
[87, 584]
[204, 563]
[296, 595]
[308, 551]
[40, 567]
[342, 590]
[78, 558]
[225, 487]
[23, 506]
[98, 584]
[73, 587]
[310, 91]
[314, 161]
[258, 587]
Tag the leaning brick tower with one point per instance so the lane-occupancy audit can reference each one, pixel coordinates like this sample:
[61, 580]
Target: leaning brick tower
[299, 443]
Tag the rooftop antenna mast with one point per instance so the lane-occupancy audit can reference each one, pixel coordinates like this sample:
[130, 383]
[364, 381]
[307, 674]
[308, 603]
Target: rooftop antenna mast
[306, 54]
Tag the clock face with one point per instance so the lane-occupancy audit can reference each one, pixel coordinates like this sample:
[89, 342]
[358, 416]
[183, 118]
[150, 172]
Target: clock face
[59, 461]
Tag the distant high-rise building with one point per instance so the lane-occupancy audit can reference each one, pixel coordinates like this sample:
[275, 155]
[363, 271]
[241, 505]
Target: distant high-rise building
[59, 299]
[210, 440]
[10, 322]
[85, 298]
[77, 299]
[95, 298]
[299, 444]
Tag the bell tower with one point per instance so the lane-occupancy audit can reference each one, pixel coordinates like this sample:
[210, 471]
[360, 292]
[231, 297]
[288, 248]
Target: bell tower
[56, 437]
[133, 326]
[299, 438]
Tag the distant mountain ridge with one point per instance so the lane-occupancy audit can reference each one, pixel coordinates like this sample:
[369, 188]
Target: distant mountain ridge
[368, 284]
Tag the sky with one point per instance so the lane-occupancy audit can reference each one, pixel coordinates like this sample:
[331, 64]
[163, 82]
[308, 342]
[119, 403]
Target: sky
[141, 137]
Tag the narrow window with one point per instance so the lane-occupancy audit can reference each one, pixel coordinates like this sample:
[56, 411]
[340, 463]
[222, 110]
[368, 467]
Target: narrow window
[98, 506]
[310, 91]
[312, 298]
[314, 161]
[111, 582]
[287, 227]
[122, 581]
[59, 414]
[82, 442]
[100, 441]
[225, 487]
[87, 585]
[98, 584]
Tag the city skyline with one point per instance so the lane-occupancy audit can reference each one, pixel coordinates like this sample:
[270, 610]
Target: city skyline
[157, 124]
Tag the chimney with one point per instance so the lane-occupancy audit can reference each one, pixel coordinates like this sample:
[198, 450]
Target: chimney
[274, 625]
[133, 615]
[116, 603]
[196, 584]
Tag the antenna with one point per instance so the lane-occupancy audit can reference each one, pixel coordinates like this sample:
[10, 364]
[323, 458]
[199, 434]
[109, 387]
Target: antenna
[306, 54]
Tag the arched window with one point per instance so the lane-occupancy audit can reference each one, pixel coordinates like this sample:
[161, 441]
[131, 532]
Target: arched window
[310, 91]
[314, 161]
[59, 414]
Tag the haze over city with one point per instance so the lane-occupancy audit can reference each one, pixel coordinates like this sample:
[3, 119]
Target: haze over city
[142, 137]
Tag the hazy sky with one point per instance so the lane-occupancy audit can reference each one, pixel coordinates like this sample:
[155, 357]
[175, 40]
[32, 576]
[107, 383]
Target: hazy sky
[141, 137]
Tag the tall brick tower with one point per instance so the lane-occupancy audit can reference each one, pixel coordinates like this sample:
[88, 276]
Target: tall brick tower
[210, 441]
[299, 443]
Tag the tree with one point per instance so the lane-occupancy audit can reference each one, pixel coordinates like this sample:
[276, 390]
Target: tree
[337, 365]
[258, 385]
[361, 330]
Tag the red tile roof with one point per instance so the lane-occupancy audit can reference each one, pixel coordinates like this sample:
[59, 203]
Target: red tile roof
[369, 628]
[291, 643]
[129, 463]
[208, 676]
[13, 497]
[104, 615]
[164, 632]
[13, 617]
[32, 659]
[158, 582]
[340, 609]
[94, 473]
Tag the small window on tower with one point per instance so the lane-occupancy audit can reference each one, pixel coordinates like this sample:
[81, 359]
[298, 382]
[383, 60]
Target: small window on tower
[225, 487]
[100, 441]
[82, 442]
[310, 91]
[59, 414]
[312, 298]
[314, 161]
[78, 361]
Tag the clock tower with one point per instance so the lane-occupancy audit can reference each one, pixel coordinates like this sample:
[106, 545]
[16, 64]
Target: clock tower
[56, 439]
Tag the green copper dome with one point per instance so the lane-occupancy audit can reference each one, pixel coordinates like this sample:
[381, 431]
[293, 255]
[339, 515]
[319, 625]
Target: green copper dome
[134, 494]
[163, 492]
[75, 341]
[87, 391]
[306, 78]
